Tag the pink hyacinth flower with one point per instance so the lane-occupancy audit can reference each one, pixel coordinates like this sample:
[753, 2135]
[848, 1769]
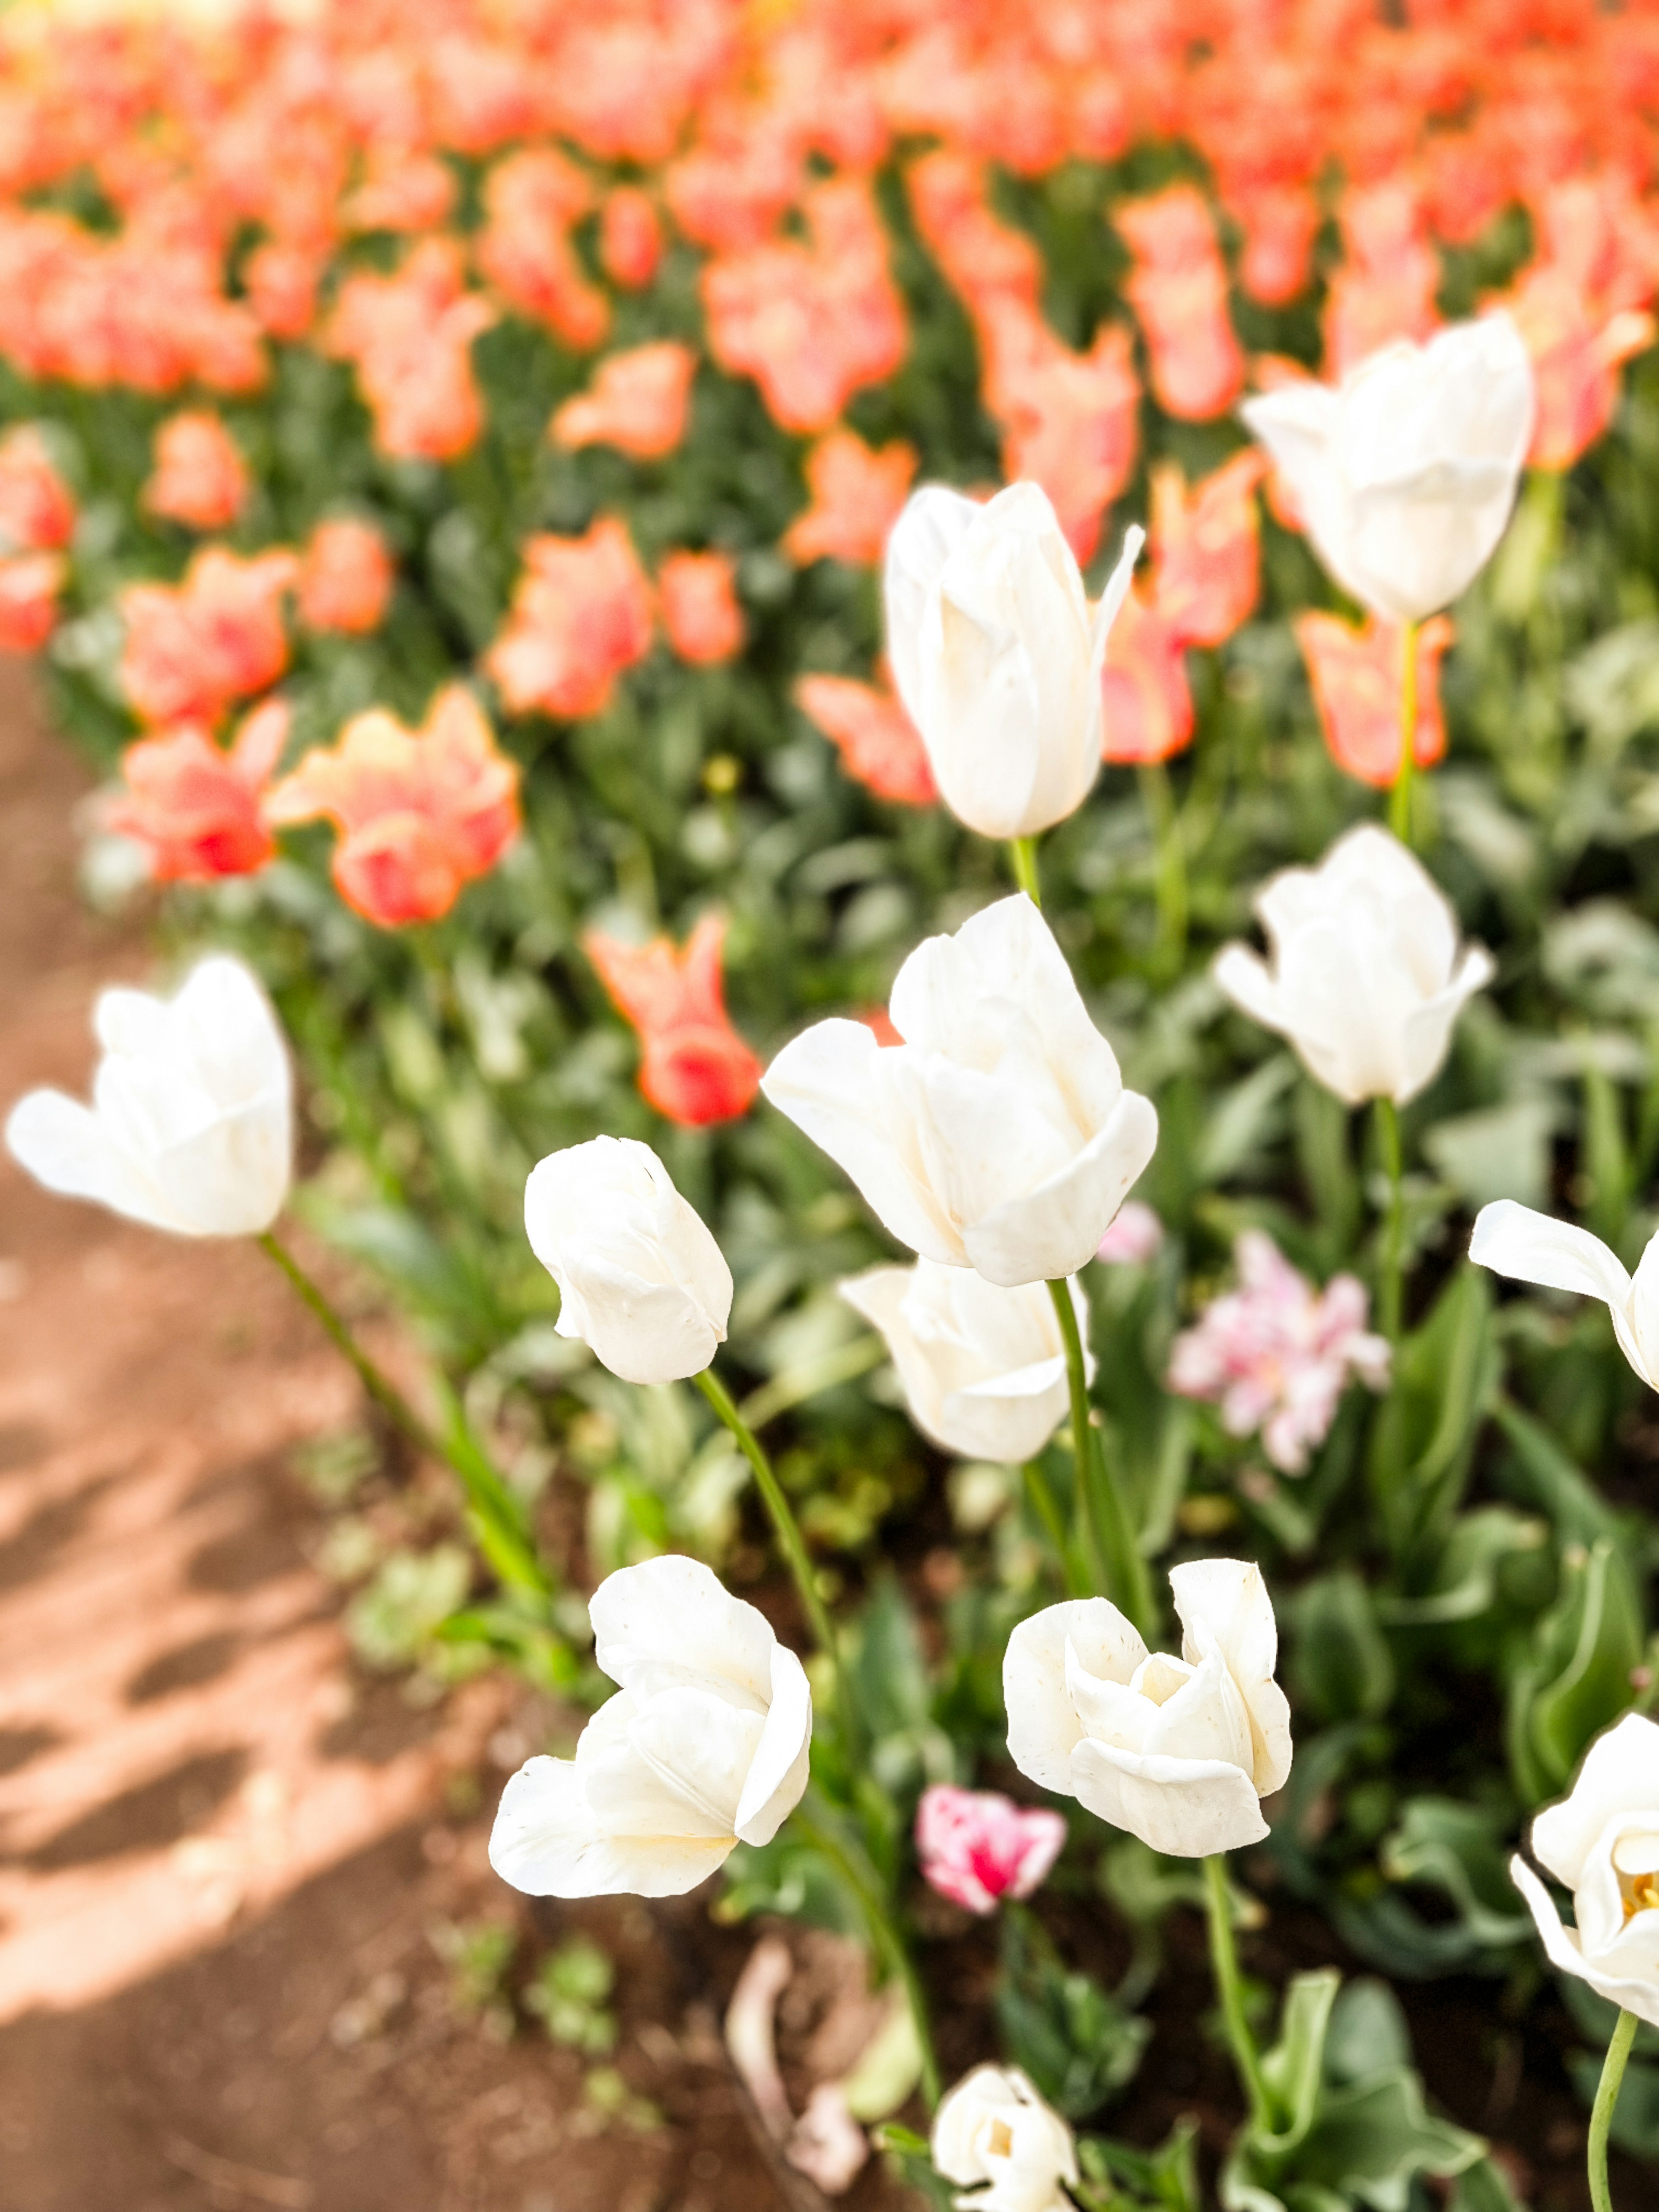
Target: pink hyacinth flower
[1134, 1236]
[1276, 1355]
[976, 1846]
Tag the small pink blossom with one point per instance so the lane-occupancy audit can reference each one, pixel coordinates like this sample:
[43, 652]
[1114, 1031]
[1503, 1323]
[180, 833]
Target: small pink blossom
[1134, 1236]
[1276, 1355]
[976, 1846]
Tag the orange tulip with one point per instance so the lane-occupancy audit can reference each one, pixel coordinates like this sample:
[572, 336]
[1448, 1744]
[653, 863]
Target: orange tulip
[1356, 676]
[695, 1067]
[581, 614]
[879, 744]
[198, 807]
[639, 403]
[700, 609]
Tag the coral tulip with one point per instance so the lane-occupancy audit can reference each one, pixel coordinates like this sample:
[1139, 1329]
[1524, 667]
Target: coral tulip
[581, 614]
[197, 807]
[694, 1068]
[1356, 677]
[858, 494]
[200, 477]
[880, 745]
[697, 594]
[192, 649]
[639, 403]
[346, 577]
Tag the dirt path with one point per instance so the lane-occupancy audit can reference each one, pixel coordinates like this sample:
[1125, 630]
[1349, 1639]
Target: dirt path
[224, 1855]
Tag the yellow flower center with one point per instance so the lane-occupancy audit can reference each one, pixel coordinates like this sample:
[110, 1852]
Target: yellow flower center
[1640, 1892]
[1002, 2136]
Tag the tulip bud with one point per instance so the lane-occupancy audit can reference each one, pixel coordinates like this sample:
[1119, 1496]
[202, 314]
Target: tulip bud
[997, 654]
[1405, 474]
[997, 1135]
[191, 1127]
[1179, 1752]
[983, 1370]
[641, 1282]
[1367, 978]
[705, 1748]
[976, 1846]
[994, 2128]
[1529, 1247]
[1602, 1843]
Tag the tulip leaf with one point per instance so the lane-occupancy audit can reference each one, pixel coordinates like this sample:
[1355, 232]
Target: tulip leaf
[1341, 1664]
[1077, 2044]
[1546, 1477]
[1424, 1436]
[1572, 1677]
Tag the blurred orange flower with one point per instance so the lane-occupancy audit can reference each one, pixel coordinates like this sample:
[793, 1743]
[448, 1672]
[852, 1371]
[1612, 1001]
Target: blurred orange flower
[1178, 288]
[1205, 549]
[1385, 287]
[631, 238]
[858, 492]
[1356, 676]
[200, 477]
[694, 1068]
[37, 512]
[29, 585]
[411, 336]
[639, 403]
[1146, 707]
[420, 813]
[194, 648]
[196, 806]
[700, 610]
[880, 745]
[532, 200]
[346, 577]
[581, 613]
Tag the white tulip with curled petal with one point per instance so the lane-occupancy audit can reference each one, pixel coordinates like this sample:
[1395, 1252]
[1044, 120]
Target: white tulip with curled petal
[1405, 473]
[1367, 977]
[191, 1125]
[1529, 1247]
[1601, 1842]
[983, 1370]
[704, 1747]
[641, 1281]
[994, 2128]
[999, 1135]
[1179, 1752]
[997, 654]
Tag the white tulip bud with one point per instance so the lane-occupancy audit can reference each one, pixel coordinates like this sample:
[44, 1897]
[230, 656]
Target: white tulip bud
[997, 654]
[999, 1135]
[993, 2127]
[1367, 978]
[1601, 1842]
[1529, 1247]
[1405, 473]
[191, 1127]
[641, 1281]
[983, 1370]
[704, 1747]
[1180, 1752]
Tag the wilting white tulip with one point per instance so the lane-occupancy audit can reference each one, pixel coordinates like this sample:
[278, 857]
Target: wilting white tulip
[994, 2128]
[1367, 978]
[983, 1370]
[641, 1281]
[191, 1127]
[999, 1135]
[997, 654]
[1179, 1752]
[1512, 1240]
[704, 1747]
[1602, 1843]
[1405, 473]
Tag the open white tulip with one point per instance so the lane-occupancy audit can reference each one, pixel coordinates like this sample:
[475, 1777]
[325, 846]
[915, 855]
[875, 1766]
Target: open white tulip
[994, 2128]
[1514, 1241]
[191, 1127]
[641, 1281]
[997, 654]
[1180, 1752]
[1367, 978]
[1601, 1842]
[1405, 473]
[999, 1135]
[704, 1747]
[983, 1370]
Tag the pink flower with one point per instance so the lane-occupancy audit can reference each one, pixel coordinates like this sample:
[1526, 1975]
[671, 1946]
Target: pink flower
[1276, 1355]
[1134, 1236]
[976, 1846]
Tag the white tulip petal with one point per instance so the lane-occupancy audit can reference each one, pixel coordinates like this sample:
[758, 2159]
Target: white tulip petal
[698, 1745]
[1111, 600]
[933, 523]
[66, 1148]
[1564, 1951]
[1638, 1338]
[1186, 1808]
[777, 1775]
[1205, 1720]
[545, 1844]
[1223, 1604]
[1043, 1727]
[1054, 1230]
[1620, 1775]
[671, 1622]
[1529, 1247]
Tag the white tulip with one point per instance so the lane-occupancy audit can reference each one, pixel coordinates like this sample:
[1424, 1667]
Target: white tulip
[704, 1747]
[1179, 1752]
[983, 1370]
[997, 654]
[1602, 1843]
[641, 1281]
[191, 1127]
[999, 1135]
[1514, 1241]
[1405, 473]
[1367, 977]
[994, 2128]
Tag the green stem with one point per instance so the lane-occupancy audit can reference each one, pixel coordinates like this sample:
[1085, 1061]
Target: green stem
[1399, 800]
[1022, 855]
[1117, 1555]
[1607, 2096]
[792, 1545]
[1389, 1292]
[498, 1518]
[1230, 1987]
[1047, 1511]
[1171, 867]
[861, 1878]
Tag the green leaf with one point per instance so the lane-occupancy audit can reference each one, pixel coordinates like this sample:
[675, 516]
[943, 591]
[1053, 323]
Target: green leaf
[1421, 1443]
[1077, 2044]
[1572, 1677]
[1340, 1665]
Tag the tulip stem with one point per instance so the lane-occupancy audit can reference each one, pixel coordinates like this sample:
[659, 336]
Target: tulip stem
[1117, 1555]
[1607, 2096]
[1388, 1289]
[861, 1878]
[1042, 1500]
[1022, 853]
[796, 1557]
[1171, 867]
[1400, 799]
[1230, 1987]
[498, 1520]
